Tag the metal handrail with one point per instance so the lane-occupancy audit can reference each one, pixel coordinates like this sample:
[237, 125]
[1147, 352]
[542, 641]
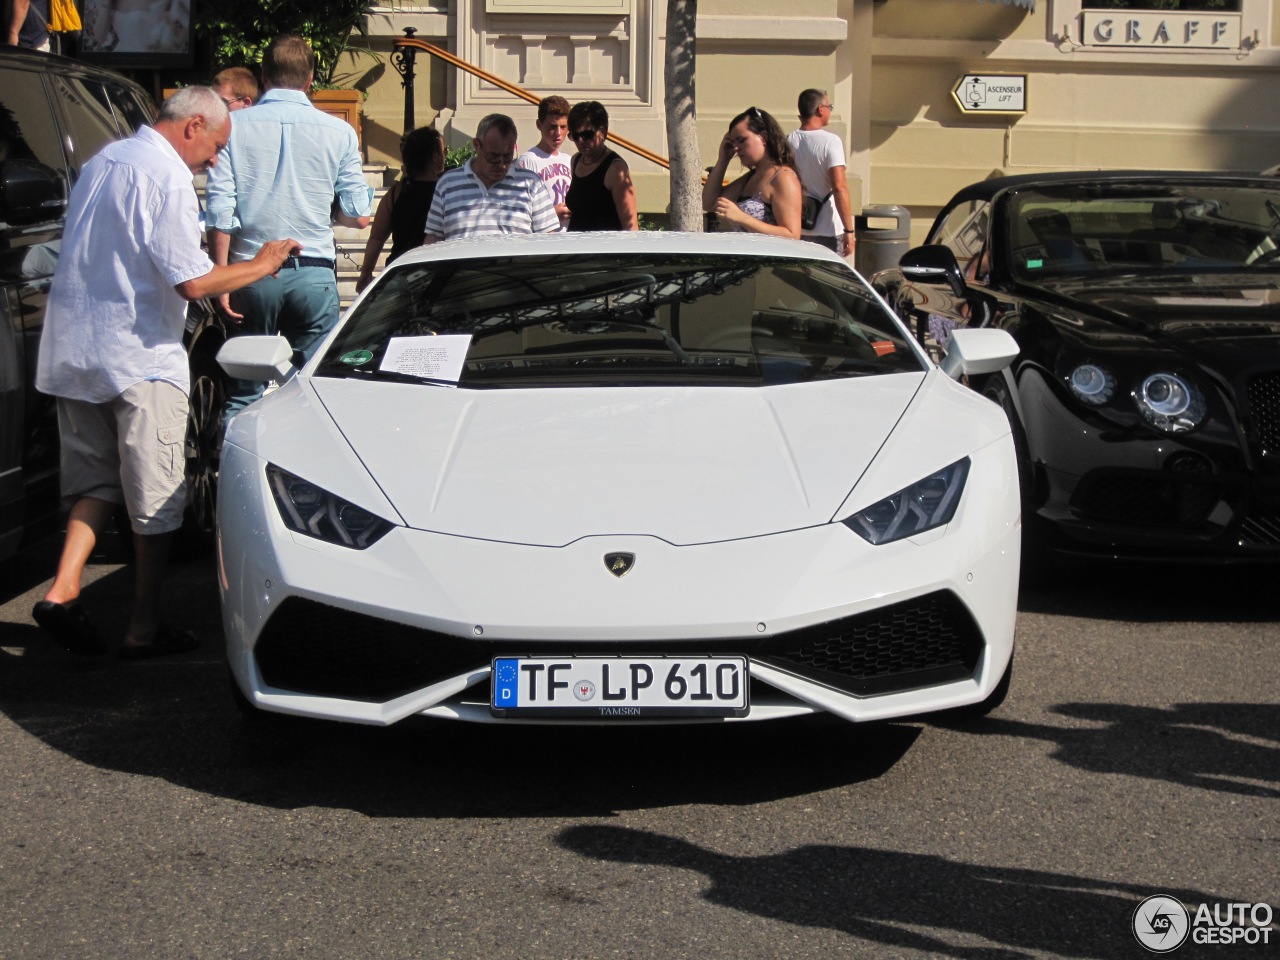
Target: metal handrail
[402, 57]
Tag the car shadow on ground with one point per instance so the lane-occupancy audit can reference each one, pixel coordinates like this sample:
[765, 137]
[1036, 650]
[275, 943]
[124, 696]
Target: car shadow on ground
[903, 900]
[174, 718]
[1224, 747]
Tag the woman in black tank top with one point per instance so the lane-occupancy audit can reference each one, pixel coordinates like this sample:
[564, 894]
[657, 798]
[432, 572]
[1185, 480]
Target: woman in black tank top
[601, 195]
[402, 213]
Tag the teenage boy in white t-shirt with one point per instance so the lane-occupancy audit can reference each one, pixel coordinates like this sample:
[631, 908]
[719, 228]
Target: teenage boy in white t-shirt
[546, 160]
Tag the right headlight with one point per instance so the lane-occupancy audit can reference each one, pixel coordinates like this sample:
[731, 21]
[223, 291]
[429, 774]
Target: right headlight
[926, 504]
[1170, 402]
[315, 512]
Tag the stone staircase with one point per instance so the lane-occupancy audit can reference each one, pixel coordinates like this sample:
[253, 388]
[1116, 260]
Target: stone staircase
[350, 242]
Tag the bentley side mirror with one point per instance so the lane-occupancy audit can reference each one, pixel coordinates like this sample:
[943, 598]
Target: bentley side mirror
[933, 264]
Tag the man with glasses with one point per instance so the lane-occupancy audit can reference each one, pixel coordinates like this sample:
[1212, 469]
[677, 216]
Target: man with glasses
[489, 195]
[820, 161]
[238, 87]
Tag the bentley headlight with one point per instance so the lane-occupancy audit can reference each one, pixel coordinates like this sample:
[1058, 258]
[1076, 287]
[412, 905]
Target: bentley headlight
[1170, 402]
[1092, 384]
[314, 512]
[926, 504]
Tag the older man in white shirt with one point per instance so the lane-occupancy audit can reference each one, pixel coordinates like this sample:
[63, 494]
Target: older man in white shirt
[111, 353]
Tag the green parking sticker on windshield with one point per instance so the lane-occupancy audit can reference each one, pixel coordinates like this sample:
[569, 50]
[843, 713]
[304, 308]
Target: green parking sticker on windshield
[1035, 264]
[357, 357]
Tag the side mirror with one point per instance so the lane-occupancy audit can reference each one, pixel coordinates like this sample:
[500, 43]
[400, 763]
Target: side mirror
[30, 192]
[976, 352]
[257, 358]
[933, 264]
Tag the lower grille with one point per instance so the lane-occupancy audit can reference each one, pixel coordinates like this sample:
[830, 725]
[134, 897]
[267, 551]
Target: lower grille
[1263, 394]
[932, 639]
[1170, 498]
[309, 647]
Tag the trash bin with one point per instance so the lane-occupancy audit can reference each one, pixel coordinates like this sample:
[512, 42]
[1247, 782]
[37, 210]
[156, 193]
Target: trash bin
[881, 246]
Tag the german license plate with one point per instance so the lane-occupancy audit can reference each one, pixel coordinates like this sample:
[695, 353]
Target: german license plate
[619, 687]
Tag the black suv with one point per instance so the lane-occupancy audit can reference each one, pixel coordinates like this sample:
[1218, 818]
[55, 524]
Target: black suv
[55, 114]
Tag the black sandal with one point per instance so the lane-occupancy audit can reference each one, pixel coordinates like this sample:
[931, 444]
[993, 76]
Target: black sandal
[70, 626]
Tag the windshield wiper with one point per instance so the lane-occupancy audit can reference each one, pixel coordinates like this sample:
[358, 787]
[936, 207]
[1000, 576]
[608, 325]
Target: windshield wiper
[336, 368]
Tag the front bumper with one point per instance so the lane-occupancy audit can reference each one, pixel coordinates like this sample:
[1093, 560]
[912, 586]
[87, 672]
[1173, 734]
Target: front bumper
[410, 625]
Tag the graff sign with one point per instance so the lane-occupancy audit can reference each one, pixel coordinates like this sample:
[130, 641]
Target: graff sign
[1179, 31]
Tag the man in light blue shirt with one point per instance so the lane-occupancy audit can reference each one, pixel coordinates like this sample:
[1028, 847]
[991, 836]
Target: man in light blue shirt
[278, 177]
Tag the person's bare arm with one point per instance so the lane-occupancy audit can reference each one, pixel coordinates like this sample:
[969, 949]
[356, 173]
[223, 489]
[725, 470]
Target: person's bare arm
[714, 187]
[844, 208]
[224, 278]
[358, 223]
[618, 180]
[17, 17]
[377, 238]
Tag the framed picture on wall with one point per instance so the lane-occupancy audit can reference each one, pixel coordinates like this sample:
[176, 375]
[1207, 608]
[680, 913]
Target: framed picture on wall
[137, 33]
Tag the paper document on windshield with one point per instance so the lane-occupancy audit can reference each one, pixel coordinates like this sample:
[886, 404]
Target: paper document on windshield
[431, 358]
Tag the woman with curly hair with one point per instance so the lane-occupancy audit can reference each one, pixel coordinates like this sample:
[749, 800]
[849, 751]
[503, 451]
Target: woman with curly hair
[765, 199]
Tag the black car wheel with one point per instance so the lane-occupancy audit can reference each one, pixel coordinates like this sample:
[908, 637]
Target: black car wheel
[204, 442]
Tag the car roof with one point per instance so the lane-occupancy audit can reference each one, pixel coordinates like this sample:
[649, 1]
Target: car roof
[62, 66]
[646, 242]
[988, 189]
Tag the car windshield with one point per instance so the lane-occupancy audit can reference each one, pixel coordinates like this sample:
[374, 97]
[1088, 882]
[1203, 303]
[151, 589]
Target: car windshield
[1142, 227]
[607, 320]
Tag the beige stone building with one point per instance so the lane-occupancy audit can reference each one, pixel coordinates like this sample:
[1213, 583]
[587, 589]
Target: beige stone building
[922, 89]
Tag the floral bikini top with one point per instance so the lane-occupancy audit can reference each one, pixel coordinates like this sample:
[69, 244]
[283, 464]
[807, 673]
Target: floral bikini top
[755, 208]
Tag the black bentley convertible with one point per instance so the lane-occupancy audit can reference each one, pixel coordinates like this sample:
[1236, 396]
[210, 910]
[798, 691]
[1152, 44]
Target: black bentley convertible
[1145, 400]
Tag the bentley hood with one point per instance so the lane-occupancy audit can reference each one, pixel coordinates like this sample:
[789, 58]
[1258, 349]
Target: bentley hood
[549, 466]
[1214, 312]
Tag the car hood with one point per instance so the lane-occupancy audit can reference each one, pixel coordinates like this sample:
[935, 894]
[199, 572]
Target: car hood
[1217, 312]
[549, 466]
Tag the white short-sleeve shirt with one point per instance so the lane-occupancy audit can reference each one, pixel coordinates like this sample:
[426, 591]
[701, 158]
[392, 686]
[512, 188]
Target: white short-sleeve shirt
[817, 151]
[132, 234]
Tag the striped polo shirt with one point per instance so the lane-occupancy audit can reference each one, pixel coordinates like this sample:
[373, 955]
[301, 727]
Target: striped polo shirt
[465, 207]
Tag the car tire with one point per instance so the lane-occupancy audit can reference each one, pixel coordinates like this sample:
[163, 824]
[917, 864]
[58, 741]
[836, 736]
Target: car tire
[203, 447]
[997, 391]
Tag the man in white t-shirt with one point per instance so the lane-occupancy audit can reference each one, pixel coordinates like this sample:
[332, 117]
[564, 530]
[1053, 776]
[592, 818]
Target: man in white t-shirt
[546, 160]
[820, 161]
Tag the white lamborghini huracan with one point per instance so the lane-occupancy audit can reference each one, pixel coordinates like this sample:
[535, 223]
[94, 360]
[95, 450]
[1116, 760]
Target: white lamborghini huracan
[615, 479]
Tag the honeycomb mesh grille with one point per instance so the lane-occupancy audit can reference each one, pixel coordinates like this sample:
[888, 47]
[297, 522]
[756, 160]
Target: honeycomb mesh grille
[1263, 393]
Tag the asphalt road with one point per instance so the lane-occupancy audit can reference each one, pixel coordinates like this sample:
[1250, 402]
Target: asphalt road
[1138, 754]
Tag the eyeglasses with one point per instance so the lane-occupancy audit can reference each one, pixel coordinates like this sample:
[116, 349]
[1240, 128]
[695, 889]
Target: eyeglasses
[587, 133]
[826, 105]
[230, 100]
[497, 159]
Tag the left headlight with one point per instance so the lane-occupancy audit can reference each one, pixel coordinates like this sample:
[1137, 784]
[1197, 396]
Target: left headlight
[315, 512]
[926, 504]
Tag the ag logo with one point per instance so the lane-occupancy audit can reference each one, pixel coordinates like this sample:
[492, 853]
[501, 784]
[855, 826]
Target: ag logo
[619, 564]
[1161, 924]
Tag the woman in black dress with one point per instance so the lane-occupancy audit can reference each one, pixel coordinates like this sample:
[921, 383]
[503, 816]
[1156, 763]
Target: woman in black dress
[402, 213]
[601, 195]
